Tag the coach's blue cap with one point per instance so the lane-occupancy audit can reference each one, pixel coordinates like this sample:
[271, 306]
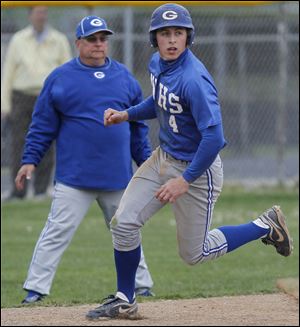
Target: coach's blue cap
[90, 25]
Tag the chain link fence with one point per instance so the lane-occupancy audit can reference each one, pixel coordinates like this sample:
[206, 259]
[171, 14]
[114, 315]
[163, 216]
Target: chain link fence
[252, 54]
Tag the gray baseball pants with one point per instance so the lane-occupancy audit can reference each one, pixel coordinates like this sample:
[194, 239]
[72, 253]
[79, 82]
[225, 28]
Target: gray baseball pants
[69, 206]
[193, 210]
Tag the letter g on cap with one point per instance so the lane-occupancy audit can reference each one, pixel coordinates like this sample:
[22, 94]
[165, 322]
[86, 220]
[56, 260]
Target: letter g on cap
[96, 22]
[169, 15]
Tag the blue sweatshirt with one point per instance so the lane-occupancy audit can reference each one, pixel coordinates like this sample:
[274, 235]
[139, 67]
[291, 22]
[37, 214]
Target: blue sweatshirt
[185, 101]
[70, 111]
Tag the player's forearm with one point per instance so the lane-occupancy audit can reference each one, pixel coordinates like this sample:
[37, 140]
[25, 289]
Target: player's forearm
[37, 144]
[143, 111]
[211, 144]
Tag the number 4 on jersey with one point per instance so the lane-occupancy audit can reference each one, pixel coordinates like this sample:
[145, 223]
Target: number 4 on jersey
[172, 123]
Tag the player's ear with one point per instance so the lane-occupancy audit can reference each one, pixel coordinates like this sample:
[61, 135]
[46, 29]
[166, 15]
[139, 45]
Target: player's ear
[190, 37]
[77, 42]
[153, 40]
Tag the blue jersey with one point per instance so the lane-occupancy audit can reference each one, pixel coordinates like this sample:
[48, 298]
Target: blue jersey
[70, 111]
[185, 101]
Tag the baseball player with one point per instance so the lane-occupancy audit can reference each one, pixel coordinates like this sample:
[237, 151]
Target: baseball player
[185, 170]
[92, 162]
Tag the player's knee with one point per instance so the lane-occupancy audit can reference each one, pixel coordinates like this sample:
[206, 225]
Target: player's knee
[189, 258]
[125, 236]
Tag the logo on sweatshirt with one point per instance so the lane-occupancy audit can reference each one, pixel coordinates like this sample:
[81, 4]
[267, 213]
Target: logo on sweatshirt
[99, 75]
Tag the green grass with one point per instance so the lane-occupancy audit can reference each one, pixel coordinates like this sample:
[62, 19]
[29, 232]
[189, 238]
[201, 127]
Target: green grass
[86, 273]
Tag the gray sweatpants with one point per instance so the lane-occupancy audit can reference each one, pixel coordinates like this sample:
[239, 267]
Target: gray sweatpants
[69, 206]
[193, 210]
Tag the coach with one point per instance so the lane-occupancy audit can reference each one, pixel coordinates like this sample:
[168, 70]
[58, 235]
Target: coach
[93, 162]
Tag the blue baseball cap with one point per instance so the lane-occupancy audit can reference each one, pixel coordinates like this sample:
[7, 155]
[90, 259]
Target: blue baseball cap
[90, 25]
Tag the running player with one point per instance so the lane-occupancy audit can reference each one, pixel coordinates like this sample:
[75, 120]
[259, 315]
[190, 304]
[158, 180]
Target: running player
[185, 170]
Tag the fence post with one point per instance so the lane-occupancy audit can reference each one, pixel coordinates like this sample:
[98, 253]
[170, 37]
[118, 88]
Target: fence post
[220, 52]
[128, 38]
[243, 96]
[282, 93]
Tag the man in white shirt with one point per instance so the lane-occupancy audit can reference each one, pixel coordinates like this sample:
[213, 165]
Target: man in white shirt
[31, 55]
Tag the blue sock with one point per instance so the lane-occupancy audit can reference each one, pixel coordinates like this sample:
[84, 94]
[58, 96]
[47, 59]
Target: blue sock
[237, 236]
[126, 265]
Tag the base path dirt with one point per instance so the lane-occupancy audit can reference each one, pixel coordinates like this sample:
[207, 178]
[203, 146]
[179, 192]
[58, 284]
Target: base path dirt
[260, 310]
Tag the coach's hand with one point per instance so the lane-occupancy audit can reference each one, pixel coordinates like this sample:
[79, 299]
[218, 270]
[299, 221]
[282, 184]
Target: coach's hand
[112, 116]
[173, 189]
[25, 172]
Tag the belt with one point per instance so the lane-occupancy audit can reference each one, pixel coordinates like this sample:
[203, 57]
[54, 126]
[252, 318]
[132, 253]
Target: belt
[168, 156]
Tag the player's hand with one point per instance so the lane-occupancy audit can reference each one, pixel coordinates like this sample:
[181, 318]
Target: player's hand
[112, 116]
[172, 190]
[25, 173]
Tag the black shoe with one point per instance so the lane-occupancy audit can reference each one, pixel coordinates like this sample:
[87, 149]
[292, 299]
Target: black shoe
[114, 307]
[279, 235]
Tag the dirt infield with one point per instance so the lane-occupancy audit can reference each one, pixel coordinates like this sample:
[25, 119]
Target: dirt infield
[260, 310]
